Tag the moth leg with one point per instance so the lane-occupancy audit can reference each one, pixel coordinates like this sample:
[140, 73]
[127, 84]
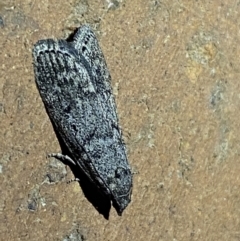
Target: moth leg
[73, 180]
[62, 157]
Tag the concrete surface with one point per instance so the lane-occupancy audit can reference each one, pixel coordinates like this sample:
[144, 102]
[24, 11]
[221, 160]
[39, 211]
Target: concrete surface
[176, 77]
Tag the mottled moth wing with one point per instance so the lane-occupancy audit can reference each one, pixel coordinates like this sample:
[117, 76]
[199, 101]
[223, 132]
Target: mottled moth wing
[74, 84]
[86, 43]
[59, 74]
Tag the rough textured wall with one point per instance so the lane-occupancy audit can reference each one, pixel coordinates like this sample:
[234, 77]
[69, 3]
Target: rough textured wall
[175, 74]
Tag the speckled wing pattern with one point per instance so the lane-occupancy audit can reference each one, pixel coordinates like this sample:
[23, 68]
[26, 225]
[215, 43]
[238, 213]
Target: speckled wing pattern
[75, 86]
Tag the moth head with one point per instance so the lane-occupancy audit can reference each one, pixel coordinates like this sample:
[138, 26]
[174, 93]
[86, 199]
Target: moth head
[121, 189]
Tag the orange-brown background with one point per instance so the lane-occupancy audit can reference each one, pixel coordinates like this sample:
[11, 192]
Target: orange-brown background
[176, 77]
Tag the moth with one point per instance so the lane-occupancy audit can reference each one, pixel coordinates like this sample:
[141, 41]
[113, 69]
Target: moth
[75, 86]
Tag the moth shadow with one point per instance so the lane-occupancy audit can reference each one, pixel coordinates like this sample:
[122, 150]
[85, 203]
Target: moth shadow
[100, 201]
